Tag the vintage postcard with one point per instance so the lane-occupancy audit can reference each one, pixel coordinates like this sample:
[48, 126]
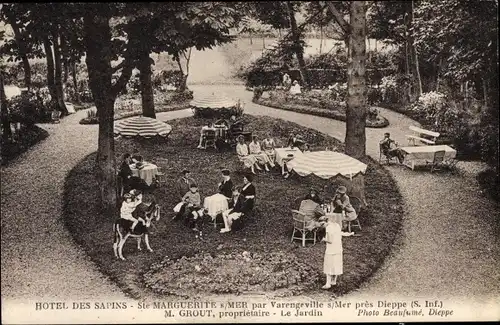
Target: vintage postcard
[230, 162]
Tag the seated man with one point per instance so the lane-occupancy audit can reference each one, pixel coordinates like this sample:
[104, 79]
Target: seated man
[313, 212]
[235, 126]
[136, 157]
[389, 148]
[183, 185]
[295, 141]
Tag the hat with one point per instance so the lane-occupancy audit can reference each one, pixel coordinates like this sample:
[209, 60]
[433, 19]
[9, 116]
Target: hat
[193, 185]
[249, 177]
[127, 196]
[341, 190]
[185, 171]
[225, 172]
[240, 137]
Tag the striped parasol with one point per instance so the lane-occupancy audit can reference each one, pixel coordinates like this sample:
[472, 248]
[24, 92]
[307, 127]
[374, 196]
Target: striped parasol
[326, 164]
[213, 101]
[141, 126]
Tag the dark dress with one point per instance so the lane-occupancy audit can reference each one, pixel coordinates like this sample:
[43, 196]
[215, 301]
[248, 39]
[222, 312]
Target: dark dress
[226, 188]
[125, 173]
[249, 203]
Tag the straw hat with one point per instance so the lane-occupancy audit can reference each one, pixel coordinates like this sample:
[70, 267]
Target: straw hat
[341, 190]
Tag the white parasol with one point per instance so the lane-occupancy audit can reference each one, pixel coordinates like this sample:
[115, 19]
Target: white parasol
[142, 126]
[213, 101]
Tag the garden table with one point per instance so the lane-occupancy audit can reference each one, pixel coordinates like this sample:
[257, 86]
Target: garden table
[425, 153]
[147, 173]
[284, 155]
[215, 204]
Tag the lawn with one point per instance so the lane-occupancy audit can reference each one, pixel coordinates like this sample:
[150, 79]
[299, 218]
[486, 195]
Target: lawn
[266, 234]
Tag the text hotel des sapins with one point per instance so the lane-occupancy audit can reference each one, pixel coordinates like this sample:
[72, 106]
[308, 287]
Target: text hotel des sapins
[272, 309]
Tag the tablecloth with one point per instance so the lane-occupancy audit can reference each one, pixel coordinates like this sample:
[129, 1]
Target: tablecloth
[282, 154]
[427, 152]
[215, 204]
[147, 173]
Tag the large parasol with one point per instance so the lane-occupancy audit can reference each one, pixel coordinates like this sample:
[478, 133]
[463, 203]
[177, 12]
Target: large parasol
[326, 164]
[213, 101]
[332, 165]
[142, 126]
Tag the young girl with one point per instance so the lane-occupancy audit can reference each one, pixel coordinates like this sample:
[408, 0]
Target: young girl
[193, 207]
[333, 265]
[128, 206]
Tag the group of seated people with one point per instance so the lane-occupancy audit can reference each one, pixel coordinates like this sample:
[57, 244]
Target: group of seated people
[314, 209]
[256, 154]
[128, 180]
[224, 129]
[239, 201]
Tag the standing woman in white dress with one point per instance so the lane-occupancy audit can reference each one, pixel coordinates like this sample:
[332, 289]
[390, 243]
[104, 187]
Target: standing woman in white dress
[333, 263]
[244, 155]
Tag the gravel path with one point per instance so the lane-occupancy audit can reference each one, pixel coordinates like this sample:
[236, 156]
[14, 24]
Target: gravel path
[39, 258]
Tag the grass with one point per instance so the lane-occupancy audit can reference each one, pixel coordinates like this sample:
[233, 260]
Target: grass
[268, 231]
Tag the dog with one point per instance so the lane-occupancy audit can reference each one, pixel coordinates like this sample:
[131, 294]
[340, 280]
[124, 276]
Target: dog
[122, 231]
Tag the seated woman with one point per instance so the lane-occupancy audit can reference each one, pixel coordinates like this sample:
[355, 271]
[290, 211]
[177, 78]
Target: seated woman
[314, 196]
[312, 214]
[242, 202]
[268, 145]
[389, 148]
[244, 155]
[295, 89]
[341, 204]
[125, 173]
[257, 152]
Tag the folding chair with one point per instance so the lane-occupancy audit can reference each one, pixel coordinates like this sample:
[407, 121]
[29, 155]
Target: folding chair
[299, 226]
[382, 155]
[356, 204]
[56, 115]
[437, 161]
[161, 178]
[210, 139]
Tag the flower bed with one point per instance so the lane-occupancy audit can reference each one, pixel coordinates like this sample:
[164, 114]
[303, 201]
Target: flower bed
[317, 103]
[243, 272]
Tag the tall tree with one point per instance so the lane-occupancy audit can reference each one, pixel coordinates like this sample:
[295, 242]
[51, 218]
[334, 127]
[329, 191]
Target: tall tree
[355, 140]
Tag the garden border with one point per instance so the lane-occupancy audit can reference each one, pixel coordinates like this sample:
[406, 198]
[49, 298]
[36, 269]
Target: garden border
[316, 111]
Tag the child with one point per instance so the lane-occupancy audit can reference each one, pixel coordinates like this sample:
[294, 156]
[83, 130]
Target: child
[193, 206]
[333, 266]
[128, 206]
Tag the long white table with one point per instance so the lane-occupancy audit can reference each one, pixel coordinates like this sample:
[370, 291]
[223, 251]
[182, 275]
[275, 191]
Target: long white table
[416, 154]
[284, 155]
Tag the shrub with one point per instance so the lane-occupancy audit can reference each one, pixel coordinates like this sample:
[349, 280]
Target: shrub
[28, 108]
[91, 118]
[257, 93]
[217, 113]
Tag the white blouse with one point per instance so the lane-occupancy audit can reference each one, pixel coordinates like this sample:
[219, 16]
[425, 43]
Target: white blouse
[255, 147]
[242, 149]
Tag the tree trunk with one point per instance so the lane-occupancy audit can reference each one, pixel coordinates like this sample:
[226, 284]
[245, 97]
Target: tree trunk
[75, 81]
[485, 92]
[147, 96]
[407, 59]
[183, 85]
[299, 50]
[50, 69]
[438, 74]
[415, 54]
[4, 113]
[355, 139]
[97, 37]
[21, 45]
[58, 75]
[320, 39]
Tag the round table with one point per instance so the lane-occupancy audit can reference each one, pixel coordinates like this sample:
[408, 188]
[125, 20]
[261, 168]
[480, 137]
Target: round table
[215, 204]
[147, 172]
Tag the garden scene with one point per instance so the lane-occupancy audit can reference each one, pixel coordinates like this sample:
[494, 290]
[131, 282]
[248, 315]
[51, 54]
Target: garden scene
[282, 149]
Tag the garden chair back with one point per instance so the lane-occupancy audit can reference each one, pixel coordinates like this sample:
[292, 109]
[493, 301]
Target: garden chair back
[358, 207]
[437, 161]
[210, 139]
[299, 228]
[56, 115]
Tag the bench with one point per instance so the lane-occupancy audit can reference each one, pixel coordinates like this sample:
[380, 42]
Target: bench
[412, 138]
